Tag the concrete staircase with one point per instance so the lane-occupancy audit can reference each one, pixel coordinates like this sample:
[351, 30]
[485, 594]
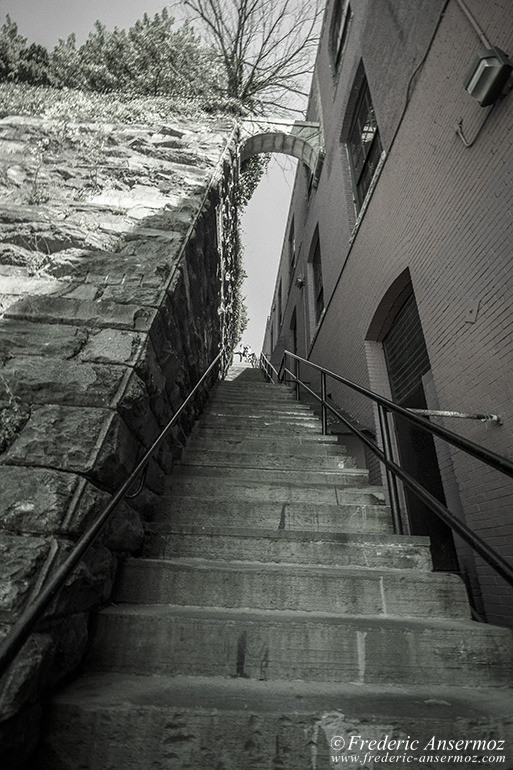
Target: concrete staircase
[274, 617]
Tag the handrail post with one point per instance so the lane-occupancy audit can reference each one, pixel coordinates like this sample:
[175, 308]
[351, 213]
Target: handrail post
[391, 479]
[296, 374]
[324, 413]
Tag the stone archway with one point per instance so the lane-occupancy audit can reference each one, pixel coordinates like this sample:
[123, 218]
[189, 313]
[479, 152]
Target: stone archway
[301, 139]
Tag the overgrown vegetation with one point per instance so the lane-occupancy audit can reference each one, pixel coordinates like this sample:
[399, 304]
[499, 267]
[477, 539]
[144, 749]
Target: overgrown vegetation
[13, 415]
[150, 58]
[74, 106]
[257, 55]
[252, 172]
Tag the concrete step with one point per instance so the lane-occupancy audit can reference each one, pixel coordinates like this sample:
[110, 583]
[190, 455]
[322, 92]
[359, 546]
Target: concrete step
[256, 385]
[267, 422]
[257, 446]
[246, 485]
[230, 407]
[293, 547]
[296, 479]
[313, 646]
[240, 400]
[130, 722]
[216, 457]
[245, 373]
[278, 396]
[254, 391]
[340, 590]
[296, 435]
[364, 516]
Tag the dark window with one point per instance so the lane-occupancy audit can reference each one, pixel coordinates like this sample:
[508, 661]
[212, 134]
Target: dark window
[292, 252]
[317, 282]
[280, 304]
[293, 331]
[339, 30]
[364, 145]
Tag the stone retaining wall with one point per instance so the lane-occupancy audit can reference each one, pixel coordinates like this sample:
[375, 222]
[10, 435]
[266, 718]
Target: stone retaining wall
[118, 268]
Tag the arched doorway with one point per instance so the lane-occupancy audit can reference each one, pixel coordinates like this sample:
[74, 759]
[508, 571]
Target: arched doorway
[398, 330]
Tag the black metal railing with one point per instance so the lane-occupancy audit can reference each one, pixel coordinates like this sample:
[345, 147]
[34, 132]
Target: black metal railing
[12, 644]
[268, 369]
[386, 456]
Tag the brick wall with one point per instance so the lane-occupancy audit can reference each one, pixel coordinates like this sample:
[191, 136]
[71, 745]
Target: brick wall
[439, 210]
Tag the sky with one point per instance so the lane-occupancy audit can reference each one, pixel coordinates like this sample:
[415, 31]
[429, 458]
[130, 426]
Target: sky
[263, 223]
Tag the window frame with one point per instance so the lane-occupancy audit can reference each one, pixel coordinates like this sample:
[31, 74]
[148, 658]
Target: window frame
[317, 282]
[341, 21]
[292, 252]
[363, 156]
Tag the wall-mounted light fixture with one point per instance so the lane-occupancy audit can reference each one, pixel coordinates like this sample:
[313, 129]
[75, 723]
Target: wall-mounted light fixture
[300, 281]
[488, 75]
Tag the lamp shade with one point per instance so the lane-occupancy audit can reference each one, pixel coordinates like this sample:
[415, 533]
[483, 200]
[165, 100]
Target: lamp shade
[488, 75]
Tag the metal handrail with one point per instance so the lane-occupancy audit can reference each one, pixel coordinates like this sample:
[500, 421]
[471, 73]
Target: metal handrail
[12, 644]
[268, 368]
[458, 415]
[393, 470]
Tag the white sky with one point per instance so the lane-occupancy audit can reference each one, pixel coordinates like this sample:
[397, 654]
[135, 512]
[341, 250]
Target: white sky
[45, 21]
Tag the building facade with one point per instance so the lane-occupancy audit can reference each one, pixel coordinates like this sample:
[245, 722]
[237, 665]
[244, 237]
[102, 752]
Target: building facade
[396, 270]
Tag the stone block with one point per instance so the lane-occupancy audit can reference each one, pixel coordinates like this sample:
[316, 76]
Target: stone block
[76, 439]
[19, 736]
[42, 501]
[43, 659]
[131, 293]
[23, 558]
[113, 346]
[131, 265]
[87, 291]
[145, 504]
[69, 639]
[81, 312]
[24, 338]
[88, 585]
[21, 681]
[30, 285]
[133, 406]
[53, 381]
[124, 531]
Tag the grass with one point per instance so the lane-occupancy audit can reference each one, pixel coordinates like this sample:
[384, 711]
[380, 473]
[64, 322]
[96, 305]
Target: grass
[80, 106]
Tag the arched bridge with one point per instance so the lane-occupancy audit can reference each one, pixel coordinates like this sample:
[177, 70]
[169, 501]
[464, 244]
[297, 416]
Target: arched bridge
[299, 138]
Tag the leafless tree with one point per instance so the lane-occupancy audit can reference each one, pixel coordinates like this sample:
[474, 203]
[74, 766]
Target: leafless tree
[266, 48]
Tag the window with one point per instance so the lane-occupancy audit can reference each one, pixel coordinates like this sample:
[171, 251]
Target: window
[317, 282]
[293, 331]
[364, 145]
[292, 251]
[339, 31]
[280, 303]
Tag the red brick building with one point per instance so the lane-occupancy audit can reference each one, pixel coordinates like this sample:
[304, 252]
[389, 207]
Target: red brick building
[397, 268]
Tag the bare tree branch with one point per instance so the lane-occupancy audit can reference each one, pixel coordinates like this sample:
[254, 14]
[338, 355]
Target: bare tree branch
[266, 47]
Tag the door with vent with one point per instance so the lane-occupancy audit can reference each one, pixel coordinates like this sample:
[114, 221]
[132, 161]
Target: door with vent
[407, 362]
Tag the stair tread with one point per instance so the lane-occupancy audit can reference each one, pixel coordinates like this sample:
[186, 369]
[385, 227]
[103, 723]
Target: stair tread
[110, 690]
[307, 617]
[288, 534]
[239, 565]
